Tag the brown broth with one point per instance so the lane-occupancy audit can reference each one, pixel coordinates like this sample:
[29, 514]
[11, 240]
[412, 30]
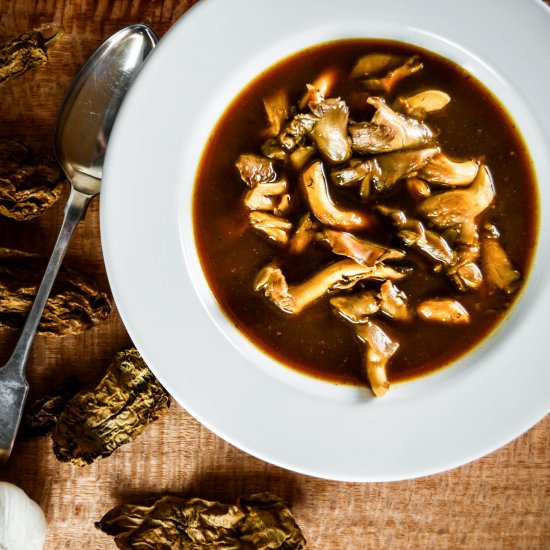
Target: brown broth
[316, 342]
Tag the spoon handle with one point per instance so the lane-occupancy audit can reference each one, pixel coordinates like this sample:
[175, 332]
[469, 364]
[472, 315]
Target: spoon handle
[13, 384]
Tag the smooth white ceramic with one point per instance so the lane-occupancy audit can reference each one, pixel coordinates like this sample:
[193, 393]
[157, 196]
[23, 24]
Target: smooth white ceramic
[422, 427]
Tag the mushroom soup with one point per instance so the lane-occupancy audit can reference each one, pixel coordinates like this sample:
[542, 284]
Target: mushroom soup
[365, 212]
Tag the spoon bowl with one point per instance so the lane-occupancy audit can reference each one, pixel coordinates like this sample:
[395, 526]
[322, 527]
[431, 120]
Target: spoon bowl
[86, 118]
[82, 133]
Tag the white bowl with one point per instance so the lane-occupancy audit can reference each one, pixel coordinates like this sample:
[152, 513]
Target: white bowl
[429, 425]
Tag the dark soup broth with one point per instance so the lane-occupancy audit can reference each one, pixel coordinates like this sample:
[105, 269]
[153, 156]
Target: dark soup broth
[365, 212]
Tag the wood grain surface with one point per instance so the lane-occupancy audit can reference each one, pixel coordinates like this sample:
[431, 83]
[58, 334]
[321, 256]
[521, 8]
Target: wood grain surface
[500, 501]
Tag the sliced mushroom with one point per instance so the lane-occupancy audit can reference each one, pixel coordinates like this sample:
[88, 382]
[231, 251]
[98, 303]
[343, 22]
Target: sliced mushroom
[360, 250]
[413, 233]
[374, 63]
[351, 174]
[370, 138]
[294, 133]
[277, 110]
[356, 308]
[314, 186]
[276, 229]
[330, 133]
[265, 196]
[304, 235]
[319, 89]
[460, 206]
[255, 169]
[301, 156]
[394, 302]
[388, 131]
[418, 189]
[496, 264]
[430, 243]
[284, 205]
[380, 347]
[385, 170]
[272, 149]
[382, 72]
[444, 171]
[340, 275]
[443, 310]
[467, 275]
[423, 103]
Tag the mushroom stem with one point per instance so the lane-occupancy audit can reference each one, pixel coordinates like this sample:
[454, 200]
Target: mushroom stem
[315, 188]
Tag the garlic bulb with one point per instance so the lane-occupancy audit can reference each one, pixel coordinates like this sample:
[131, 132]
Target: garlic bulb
[22, 522]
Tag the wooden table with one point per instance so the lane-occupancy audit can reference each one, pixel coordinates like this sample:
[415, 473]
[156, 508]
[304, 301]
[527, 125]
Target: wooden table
[500, 501]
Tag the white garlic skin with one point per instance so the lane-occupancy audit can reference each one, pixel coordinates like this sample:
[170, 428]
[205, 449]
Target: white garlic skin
[22, 522]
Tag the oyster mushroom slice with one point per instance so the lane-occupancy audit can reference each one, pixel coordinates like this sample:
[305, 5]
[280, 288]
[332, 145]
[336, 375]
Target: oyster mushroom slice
[460, 206]
[277, 110]
[389, 70]
[265, 196]
[442, 170]
[418, 189]
[496, 264]
[304, 234]
[301, 156]
[369, 138]
[340, 275]
[388, 131]
[330, 133]
[356, 308]
[276, 229]
[384, 171]
[443, 310]
[380, 347]
[351, 174]
[394, 302]
[422, 103]
[374, 63]
[430, 243]
[319, 88]
[360, 250]
[294, 133]
[255, 169]
[315, 188]
[413, 234]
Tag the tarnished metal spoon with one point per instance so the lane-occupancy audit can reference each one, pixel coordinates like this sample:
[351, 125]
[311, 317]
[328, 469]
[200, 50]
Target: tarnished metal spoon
[82, 132]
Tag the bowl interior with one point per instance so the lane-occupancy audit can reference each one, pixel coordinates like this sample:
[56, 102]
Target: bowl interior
[239, 76]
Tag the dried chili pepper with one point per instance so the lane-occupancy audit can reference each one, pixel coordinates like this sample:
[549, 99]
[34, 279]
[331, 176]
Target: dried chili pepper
[29, 184]
[96, 421]
[259, 522]
[75, 303]
[41, 417]
[24, 52]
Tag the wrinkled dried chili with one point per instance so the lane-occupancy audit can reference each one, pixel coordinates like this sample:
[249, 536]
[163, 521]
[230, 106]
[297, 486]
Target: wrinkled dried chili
[260, 522]
[25, 52]
[41, 416]
[96, 421]
[29, 184]
[75, 303]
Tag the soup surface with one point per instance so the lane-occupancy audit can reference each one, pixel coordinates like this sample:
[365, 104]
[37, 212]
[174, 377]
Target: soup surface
[372, 227]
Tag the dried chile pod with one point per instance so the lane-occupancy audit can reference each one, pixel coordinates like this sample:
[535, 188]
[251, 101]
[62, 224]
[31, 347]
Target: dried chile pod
[96, 421]
[75, 303]
[41, 417]
[25, 52]
[260, 522]
[29, 184]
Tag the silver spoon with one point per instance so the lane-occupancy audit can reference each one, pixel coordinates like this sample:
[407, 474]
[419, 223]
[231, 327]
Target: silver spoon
[82, 132]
